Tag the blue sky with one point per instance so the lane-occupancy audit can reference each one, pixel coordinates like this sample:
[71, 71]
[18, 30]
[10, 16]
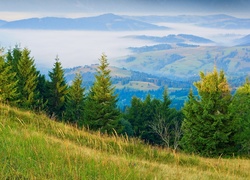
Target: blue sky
[11, 8]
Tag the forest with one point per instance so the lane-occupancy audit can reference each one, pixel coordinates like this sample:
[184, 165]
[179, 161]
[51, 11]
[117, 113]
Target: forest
[213, 123]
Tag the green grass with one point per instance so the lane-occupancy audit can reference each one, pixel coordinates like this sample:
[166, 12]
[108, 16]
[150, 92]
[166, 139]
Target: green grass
[35, 147]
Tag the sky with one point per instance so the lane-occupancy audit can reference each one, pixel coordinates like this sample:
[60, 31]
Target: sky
[18, 9]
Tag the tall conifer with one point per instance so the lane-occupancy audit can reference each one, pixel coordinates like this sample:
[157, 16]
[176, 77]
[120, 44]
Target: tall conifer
[101, 110]
[75, 102]
[208, 124]
[8, 84]
[240, 108]
[57, 91]
[27, 79]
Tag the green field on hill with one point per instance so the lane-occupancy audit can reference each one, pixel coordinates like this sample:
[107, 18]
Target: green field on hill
[35, 147]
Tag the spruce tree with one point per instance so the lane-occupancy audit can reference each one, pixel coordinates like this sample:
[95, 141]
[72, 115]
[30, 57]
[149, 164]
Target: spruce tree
[74, 112]
[27, 80]
[57, 91]
[101, 110]
[240, 108]
[13, 57]
[134, 114]
[208, 124]
[42, 96]
[8, 84]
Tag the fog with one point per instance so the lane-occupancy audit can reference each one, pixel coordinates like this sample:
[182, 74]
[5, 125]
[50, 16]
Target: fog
[79, 48]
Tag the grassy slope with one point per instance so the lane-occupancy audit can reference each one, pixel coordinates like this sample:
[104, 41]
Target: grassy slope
[34, 147]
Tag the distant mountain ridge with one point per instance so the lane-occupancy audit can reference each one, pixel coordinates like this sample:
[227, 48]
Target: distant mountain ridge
[212, 21]
[105, 22]
[112, 22]
[172, 38]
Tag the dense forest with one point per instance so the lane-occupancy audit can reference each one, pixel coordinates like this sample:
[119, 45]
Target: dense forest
[213, 123]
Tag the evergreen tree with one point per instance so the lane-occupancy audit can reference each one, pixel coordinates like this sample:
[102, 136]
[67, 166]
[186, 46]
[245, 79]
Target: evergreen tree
[27, 80]
[150, 109]
[57, 91]
[240, 108]
[166, 123]
[13, 57]
[101, 110]
[42, 96]
[75, 102]
[8, 84]
[134, 115]
[149, 118]
[208, 125]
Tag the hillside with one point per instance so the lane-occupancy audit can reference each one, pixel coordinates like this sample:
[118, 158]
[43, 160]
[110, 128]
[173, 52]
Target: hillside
[244, 41]
[130, 83]
[187, 62]
[35, 147]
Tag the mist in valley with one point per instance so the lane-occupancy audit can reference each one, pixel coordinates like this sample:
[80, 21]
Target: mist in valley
[79, 48]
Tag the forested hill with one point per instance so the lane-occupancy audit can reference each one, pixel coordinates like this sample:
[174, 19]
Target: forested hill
[123, 76]
[130, 83]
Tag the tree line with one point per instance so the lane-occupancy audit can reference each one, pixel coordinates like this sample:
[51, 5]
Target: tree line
[214, 123]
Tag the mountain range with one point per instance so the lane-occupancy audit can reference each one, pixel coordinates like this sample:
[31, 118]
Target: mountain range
[105, 22]
[212, 21]
[112, 22]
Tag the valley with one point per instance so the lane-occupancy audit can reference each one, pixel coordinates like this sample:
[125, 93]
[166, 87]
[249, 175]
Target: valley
[147, 53]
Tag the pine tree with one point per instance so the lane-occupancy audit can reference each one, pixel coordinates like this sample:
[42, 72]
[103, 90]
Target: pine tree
[75, 102]
[57, 91]
[208, 125]
[240, 108]
[27, 79]
[101, 110]
[8, 84]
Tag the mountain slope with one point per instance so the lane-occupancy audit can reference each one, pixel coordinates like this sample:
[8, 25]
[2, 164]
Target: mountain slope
[35, 147]
[187, 62]
[106, 22]
[244, 41]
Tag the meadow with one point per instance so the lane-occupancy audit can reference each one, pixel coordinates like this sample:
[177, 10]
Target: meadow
[32, 146]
